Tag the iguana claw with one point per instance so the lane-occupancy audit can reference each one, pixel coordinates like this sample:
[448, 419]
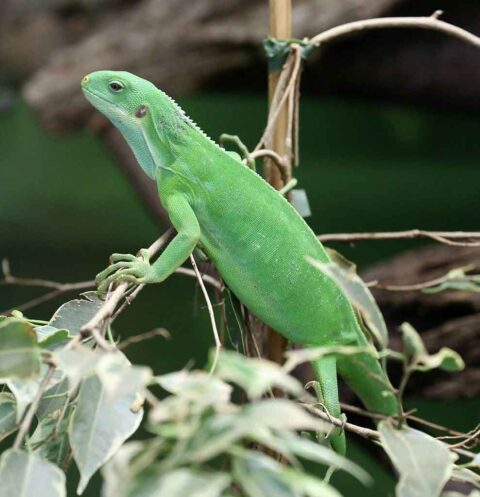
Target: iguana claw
[124, 267]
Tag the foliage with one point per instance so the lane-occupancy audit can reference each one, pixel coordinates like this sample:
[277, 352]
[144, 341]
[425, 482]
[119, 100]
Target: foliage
[210, 435]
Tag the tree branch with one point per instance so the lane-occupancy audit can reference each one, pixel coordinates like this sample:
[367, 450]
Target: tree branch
[113, 299]
[218, 343]
[433, 23]
[28, 418]
[446, 237]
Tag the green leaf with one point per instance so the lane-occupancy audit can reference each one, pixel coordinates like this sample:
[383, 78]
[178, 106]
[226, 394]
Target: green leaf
[74, 314]
[182, 482]
[424, 463]
[50, 337]
[25, 391]
[302, 447]
[300, 356]
[50, 439]
[283, 414]
[457, 279]
[255, 376]
[198, 386]
[118, 470]
[194, 392]
[308, 485]
[359, 295]
[452, 493]
[466, 475]
[53, 399]
[77, 363]
[26, 475]
[8, 409]
[446, 358]
[412, 341]
[260, 476]
[99, 427]
[19, 354]
[119, 377]
[216, 436]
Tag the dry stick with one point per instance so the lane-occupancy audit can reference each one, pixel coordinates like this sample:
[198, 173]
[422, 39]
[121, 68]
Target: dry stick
[278, 160]
[415, 286]
[57, 287]
[431, 22]
[359, 430]
[205, 277]
[157, 332]
[279, 101]
[367, 432]
[27, 420]
[278, 94]
[181, 270]
[218, 343]
[472, 437]
[108, 308]
[296, 121]
[408, 415]
[48, 296]
[445, 237]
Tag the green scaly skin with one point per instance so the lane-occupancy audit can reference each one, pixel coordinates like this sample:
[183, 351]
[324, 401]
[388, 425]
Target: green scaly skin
[255, 238]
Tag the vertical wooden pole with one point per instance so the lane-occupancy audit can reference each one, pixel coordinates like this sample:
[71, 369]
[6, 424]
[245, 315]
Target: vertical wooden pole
[281, 28]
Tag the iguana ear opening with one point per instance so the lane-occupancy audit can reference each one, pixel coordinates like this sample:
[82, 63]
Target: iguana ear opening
[141, 111]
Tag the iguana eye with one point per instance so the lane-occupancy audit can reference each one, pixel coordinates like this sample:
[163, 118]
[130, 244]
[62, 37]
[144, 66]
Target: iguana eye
[116, 86]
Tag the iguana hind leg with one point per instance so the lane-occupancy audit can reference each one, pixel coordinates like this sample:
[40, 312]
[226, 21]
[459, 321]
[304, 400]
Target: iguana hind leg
[325, 370]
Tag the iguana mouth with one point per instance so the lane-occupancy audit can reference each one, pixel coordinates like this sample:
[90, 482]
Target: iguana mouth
[95, 95]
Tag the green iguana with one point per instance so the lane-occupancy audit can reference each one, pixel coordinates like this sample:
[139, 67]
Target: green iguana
[253, 235]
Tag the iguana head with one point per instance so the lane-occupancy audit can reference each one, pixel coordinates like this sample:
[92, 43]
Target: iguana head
[118, 94]
[132, 104]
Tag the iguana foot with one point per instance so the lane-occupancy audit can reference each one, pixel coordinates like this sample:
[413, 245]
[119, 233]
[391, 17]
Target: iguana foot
[125, 267]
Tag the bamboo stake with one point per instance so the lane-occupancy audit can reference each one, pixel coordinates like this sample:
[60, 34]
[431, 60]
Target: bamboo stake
[281, 28]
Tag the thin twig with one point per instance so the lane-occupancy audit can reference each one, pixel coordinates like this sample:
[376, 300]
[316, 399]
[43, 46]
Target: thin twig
[34, 302]
[446, 237]
[205, 277]
[57, 288]
[474, 435]
[416, 286]
[278, 160]
[157, 332]
[367, 432]
[218, 343]
[432, 23]
[409, 416]
[359, 430]
[28, 418]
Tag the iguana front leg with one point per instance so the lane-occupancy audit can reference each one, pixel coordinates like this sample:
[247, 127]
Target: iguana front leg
[138, 270]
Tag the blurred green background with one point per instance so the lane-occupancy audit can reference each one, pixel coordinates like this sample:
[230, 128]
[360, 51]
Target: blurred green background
[65, 206]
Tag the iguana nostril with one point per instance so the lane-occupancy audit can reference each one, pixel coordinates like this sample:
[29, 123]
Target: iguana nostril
[85, 80]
